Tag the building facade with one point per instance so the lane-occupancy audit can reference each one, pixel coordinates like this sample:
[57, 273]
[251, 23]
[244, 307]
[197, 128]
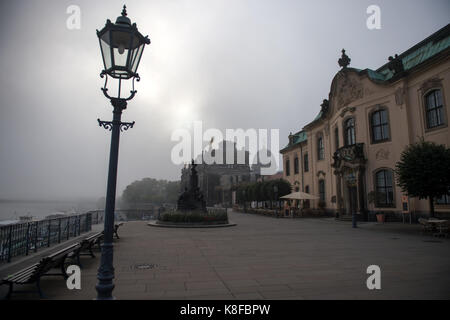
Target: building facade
[216, 180]
[349, 151]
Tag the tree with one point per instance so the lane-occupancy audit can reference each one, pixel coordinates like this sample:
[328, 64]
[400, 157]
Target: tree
[150, 190]
[262, 191]
[284, 187]
[424, 171]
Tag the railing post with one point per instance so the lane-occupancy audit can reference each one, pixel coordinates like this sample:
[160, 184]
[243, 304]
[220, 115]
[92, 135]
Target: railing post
[59, 230]
[35, 235]
[88, 222]
[28, 238]
[48, 233]
[10, 243]
[68, 228]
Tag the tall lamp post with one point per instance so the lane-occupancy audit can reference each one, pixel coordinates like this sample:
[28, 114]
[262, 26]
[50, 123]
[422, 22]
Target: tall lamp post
[121, 46]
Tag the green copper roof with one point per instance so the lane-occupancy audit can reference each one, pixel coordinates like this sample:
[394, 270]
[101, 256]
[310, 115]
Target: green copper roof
[375, 75]
[318, 116]
[298, 138]
[421, 52]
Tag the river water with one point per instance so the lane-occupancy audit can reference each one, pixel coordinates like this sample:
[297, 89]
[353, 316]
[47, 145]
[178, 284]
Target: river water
[13, 210]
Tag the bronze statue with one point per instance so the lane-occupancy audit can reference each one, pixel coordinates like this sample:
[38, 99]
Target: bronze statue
[192, 199]
[396, 64]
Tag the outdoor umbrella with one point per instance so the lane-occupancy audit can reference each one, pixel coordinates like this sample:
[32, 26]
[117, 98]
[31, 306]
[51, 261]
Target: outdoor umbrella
[300, 196]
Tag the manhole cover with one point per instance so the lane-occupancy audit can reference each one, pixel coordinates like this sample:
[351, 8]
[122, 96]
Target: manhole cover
[144, 266]
[433, 241]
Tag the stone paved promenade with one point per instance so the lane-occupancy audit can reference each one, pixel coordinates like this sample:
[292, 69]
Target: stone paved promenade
[267, 258]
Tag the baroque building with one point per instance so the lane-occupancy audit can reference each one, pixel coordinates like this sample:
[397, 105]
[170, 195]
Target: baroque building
[216, 180]
[351, 148]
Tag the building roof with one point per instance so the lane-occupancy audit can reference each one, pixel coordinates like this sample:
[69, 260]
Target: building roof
[421, 52]
[411, 58]
[297, 139]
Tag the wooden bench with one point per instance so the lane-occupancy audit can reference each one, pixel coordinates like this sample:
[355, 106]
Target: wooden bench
[87, 245]
[33, 273]
[116, 227]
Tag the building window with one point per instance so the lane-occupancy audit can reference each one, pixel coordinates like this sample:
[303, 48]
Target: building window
[384, 189]
[336, 138]
[288, 169]
[349, 129]
[322, 190]
[296, 165]
[305, 163]
[320, 148]
[434, 109]
[380, 126]
[444, 200]
[306, 204]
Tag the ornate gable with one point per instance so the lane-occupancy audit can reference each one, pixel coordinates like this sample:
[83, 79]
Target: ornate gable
[346, 89]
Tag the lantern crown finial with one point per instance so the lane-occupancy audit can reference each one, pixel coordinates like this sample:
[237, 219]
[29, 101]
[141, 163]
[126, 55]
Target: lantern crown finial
[123, 19]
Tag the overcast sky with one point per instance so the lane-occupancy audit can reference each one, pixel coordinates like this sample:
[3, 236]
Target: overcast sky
[231, 64]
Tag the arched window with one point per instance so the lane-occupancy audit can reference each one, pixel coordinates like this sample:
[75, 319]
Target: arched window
[320, 148]
[349, 130]
[296, 165]
[380, 126]
[322, 190]
[288, 169]
[434, 109]
[305, 163]
[384, 188]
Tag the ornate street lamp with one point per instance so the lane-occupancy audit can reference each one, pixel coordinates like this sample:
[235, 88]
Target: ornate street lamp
[121, 46]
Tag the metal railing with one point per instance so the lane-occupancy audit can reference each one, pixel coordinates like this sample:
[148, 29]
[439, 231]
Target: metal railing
[23, 238]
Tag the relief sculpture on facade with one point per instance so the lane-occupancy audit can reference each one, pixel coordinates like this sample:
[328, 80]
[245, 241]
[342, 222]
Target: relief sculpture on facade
[348, 89]
[382, 154]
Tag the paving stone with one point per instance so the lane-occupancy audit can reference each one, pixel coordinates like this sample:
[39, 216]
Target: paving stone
[265, 258]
